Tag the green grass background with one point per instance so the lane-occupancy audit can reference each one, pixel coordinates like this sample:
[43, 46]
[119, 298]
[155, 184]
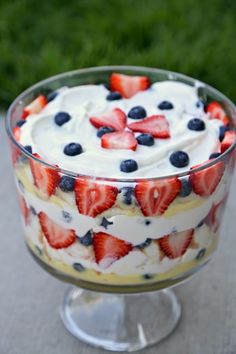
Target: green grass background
[42, 38]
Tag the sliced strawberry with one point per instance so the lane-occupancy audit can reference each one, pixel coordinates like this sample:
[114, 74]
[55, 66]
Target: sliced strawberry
[217, 112]
[212, 218]
[56, 235]
[154, 197]
[45, 178]
[119, 140]
[115, 119]
[228, 140]
[24, 209]
[176, 244]
[108, 248]
[204, 182]
[156, 125]
[93, 198]
[35, 106]
[127, 85]
[16, 133]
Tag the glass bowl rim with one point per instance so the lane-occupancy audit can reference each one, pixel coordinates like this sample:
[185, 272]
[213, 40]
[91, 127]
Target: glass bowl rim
[118, 68]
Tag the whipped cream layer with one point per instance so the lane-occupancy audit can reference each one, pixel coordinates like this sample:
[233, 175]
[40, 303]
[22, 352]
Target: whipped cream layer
[48, 139]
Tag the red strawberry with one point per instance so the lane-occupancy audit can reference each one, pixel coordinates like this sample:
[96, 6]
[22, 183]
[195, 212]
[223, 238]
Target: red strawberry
[217, 112]
[176, 244]
[228, 140]
[212, 218]
[94, 198]
[35, 106]
[119, 140]
[24, 209]
[127, 85]
[16, 133]
[154, 197]
[108, 248]
[45, 178]
[56, 235]
[204, 182]
[115, 119]
[156, 125]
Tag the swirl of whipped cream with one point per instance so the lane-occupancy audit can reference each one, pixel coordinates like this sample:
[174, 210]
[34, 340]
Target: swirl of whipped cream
[48, 140]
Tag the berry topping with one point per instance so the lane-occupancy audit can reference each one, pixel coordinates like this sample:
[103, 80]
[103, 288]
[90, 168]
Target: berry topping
[228, 140]
[104, 130]
[66, 216]
[204, 182]
[79, 267]
[24, 209]
[145, 139]
[156, 125]
[186, 188]
[73, 149]
[16, 133]
[108, 248]
[105, 223]
[113, 96]
[28, 148]
[87, 239]
[128, 166]
[214, 155]
[62, 118]
[216, 111]
[20, 123]
[165, 105]
[201, 254]
[35, 106]
[128, 193]
[52, 95]
[128, 85]
[119, 140]
[67, 184]
[56, 235]
[93, 198]
[196, 124]
[137, 112]
[45, 178]
[146, 243]
[222, 130]
[179, 159]
[155, 197]
[176, 244]
[115, 119]
[200, 104]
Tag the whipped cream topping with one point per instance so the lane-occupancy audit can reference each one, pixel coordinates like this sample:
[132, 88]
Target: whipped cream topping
[48, 139]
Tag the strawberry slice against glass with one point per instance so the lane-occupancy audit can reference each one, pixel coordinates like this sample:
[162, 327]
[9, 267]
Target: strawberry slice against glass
[216, 111]
[35, 106]
[176, 244]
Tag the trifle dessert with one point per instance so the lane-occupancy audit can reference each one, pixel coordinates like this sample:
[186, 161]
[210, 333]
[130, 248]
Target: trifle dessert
[123, 183]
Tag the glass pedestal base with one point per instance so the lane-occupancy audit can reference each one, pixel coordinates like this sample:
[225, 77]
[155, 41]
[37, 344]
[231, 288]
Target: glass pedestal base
[120, 322]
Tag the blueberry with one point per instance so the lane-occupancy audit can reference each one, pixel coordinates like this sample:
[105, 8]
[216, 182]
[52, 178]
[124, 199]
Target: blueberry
[165, 105]
[20, 122]
[28, 148]
[196, 124]
[186, 188]
[148, 222]
[66, 216]
[79, 267]
[199, 104]
[214, 155]
[144, 244]
[113, 96]
[104, 130]
[105, 223]
[127, 195]
[67, 184]
[222, 131]
[148, 276]
[179, 159]
[52, 95]
[87, 239]
[201, 253]
[145, 139]
[73, 149]
[200, 224]
[62, 118]
[33, 211]
[137, 112]
[128, 166]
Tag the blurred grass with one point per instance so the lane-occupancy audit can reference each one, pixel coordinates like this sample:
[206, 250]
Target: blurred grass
[42, 38]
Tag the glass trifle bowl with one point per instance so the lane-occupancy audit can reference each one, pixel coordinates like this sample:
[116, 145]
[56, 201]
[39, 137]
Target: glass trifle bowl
[142, 212]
